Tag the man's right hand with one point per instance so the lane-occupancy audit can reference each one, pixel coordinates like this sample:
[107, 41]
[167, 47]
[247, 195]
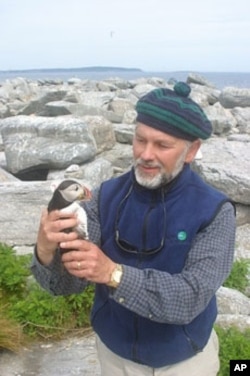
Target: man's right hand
[52, 232]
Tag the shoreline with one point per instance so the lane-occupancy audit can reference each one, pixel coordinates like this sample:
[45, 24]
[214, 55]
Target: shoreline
[219, 79]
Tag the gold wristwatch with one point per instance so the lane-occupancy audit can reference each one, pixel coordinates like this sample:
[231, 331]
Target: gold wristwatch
[116, 276]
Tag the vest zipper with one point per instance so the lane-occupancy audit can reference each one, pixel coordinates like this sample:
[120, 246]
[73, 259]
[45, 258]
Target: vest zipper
[145, 224]
[192, 343]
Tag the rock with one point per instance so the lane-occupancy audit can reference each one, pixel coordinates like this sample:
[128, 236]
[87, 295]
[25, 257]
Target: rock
[198, 79]
[204, 95]
[22, 203]
[60, 108]
[98, 171]
[1, 143]
[120, 106]
[3, 160]
[242, 117]
[106, 86]
[231, 301]
[124, 133]
[231, 97]
[119, 83]
[242, 214]
[78, 109]
[68, 357]
[4, 111]
[18, 88]
[142, 89]
[121, 157]
[36, 106]
[6, 177]
[129, 117]
[242, 248]
[50, 82]
[46, 142]
[222, 120]
[241, 322]
[74, 81]
[225, 165]
[239, 137]
[103, 132]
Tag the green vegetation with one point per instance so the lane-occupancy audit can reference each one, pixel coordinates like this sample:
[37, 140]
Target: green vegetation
[11, 337]
[27, 311]
[233, 345]
[238, 278]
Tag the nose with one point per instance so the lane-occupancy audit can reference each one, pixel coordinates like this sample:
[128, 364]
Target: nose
[147, 153]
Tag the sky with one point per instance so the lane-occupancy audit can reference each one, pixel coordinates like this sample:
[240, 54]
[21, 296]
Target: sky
[152, 35]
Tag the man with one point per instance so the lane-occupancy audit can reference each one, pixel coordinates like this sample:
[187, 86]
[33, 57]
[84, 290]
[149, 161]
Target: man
[162, 244]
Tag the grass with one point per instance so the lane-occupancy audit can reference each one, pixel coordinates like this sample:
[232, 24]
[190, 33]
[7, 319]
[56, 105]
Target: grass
[239, 276]
[233, 345]
[31, 311]
[11, 335]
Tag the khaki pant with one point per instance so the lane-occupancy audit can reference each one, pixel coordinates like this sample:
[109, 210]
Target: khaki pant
[205, 363]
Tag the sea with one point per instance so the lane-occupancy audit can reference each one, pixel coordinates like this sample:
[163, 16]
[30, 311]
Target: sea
[218, 79]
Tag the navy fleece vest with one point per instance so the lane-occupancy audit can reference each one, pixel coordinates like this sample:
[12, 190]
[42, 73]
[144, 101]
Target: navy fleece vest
[144, 218]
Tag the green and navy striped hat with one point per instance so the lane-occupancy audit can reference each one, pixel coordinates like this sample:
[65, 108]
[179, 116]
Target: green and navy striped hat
[172, 112]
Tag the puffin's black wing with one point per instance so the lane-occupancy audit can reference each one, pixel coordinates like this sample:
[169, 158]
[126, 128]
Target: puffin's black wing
[57, 202]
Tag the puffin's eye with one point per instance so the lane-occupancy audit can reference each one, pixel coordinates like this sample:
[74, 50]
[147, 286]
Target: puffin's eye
[76, 188]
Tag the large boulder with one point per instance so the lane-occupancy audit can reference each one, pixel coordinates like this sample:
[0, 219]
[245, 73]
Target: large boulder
[242, 117]
[223, 122]
[22, 203]
[102, 130]
[225, 165]
[231, 97]
[36, 105]
[30, 142]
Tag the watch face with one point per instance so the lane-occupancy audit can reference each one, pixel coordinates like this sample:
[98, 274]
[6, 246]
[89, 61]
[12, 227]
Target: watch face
[117, 274]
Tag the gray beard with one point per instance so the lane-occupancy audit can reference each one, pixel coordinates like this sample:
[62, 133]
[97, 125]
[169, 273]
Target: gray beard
[160, 179]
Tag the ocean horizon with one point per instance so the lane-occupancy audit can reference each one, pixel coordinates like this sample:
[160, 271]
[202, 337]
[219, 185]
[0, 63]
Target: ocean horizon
[218, 79]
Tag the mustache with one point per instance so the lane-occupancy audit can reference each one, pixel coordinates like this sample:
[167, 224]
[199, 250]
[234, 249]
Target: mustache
[141, 162]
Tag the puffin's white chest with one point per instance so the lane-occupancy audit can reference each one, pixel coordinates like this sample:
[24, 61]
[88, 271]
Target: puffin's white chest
[82, 227]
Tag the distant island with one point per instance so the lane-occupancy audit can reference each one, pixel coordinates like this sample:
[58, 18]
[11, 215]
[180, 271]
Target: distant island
[82, 69]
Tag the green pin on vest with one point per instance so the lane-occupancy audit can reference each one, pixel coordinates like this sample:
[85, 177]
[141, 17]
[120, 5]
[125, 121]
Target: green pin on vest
[182, 235]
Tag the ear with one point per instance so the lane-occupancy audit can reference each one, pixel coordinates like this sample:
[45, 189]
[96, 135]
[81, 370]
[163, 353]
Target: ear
[193, 149]
[54, 185]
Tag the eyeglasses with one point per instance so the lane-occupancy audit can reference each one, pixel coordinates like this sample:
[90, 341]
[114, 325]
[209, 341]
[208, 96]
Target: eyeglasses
[128, 247]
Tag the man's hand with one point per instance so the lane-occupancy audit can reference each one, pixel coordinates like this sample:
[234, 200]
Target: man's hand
[88, 261]
[51, 233]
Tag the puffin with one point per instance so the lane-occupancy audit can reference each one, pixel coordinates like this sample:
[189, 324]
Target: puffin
[66, 198]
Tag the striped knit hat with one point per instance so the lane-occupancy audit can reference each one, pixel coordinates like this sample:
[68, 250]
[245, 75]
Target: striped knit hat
[172, 112]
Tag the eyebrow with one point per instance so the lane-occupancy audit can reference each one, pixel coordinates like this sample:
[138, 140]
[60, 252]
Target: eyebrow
[157, 140]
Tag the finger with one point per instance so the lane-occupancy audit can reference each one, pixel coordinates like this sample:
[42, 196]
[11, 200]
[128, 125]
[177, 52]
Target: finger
[63, 224]
[58, 214]
[76, 267]
[71, 256]
[79, 244]
[64, 237]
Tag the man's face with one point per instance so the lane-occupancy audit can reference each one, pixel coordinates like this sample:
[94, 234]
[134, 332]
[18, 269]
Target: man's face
[159, 157]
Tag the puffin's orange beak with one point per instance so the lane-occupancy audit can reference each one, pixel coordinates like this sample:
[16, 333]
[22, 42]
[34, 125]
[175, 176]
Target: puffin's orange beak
[87, 194]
